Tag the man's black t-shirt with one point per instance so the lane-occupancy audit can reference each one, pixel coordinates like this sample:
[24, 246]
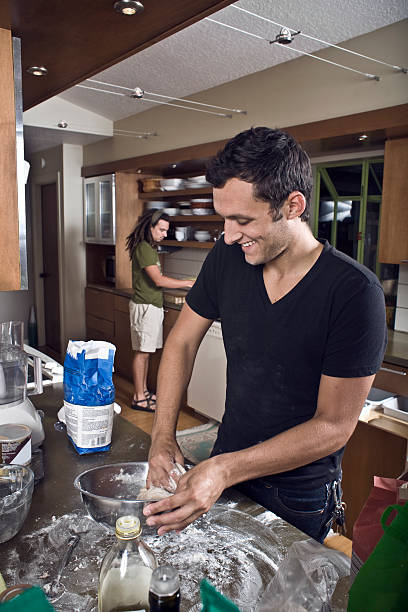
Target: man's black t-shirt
[332, 322]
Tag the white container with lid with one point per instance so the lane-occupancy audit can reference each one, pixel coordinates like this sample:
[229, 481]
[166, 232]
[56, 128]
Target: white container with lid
[15, 444]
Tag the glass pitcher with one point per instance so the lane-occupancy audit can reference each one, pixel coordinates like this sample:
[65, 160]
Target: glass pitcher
[14, 364]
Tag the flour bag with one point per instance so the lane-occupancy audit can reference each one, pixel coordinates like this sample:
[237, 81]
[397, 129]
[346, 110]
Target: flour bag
[89, 394]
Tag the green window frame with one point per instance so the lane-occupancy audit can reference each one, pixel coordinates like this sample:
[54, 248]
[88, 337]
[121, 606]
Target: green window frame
[367, 170]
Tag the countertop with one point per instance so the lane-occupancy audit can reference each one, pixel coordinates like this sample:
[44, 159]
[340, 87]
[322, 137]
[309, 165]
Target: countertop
[56, 510]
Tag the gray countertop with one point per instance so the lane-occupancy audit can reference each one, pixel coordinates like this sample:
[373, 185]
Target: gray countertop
[56, 510]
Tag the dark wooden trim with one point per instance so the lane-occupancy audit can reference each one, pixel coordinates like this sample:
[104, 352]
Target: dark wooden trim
[84, 37]
[391, 122]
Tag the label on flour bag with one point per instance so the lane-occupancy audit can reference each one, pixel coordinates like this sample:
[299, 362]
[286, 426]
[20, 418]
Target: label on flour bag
[89, 394]
[89, 426]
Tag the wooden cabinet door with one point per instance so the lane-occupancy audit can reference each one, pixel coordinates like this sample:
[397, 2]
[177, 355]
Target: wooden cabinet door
[393, 244]
[392, 378]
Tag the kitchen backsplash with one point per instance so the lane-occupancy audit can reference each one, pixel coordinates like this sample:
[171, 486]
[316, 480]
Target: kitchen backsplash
[401, 315]
[184, 263]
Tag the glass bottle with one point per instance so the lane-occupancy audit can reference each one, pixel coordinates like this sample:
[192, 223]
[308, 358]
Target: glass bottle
[126, 570]
[164, 594]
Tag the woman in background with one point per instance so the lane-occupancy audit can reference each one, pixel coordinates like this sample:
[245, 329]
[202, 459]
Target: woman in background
[146, 305]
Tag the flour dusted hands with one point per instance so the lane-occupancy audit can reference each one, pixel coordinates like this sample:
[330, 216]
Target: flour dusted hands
[197, 491]
[164, 456]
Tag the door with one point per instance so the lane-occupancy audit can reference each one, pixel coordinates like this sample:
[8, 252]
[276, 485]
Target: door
[50, 273]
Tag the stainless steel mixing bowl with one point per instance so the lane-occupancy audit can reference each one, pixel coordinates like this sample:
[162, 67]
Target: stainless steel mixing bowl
[111, 491]
[16, 490]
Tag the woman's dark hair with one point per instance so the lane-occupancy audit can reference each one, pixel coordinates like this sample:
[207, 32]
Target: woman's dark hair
[142, 229]
[271, 160]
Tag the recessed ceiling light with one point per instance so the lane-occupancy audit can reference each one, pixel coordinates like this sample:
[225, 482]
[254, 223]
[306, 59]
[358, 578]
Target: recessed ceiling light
[37, 70]
[363, 137]
[128, 7]
[62, 124]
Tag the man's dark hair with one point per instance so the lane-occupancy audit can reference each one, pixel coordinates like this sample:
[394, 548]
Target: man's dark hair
[141, 231]
[271, 160]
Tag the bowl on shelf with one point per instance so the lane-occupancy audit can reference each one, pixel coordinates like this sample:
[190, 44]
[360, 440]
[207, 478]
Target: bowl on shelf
[182, 233]
[203, 211]
[16, 489]
[201, 203]
[171, 184]
[196, 182]
[151, 184]
[172, 212]
[202, 235]
[186, 211]
[150, 205]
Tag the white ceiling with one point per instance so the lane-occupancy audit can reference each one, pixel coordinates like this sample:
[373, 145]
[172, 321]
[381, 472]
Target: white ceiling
[206, 54]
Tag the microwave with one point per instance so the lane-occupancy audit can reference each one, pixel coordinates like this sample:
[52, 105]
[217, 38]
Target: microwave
[109, 268]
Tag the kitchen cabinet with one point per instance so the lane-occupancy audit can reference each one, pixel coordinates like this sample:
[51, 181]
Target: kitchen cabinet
[9, 245]
[393, 245]
[392, 378]
[99, 209]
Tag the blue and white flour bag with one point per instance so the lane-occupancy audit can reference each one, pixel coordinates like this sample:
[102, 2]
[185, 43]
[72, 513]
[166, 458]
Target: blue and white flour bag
[89, 394]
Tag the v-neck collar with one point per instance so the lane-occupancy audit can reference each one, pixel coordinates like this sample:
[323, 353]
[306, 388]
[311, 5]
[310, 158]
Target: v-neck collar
[308, 277]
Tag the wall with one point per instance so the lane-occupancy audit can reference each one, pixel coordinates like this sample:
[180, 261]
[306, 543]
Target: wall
[184, 263]
[296, 92]
[61, 165]
[73, 247]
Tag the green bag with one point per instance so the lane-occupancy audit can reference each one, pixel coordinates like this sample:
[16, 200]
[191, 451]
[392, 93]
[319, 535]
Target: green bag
[33, 599]
[213, 601]
[382, 582]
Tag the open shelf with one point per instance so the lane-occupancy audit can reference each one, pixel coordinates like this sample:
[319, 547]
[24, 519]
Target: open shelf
[189, 243]
[183, 193]
[196, 218]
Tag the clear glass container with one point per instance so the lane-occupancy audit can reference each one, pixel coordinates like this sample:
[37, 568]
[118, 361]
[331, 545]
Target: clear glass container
[13, 374]
[126, 570]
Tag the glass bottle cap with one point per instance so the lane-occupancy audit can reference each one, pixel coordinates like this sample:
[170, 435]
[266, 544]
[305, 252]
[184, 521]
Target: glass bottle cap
[128, 527]
[164, 581]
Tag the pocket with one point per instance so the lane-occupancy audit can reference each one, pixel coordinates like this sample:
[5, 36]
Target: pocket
[312, 502]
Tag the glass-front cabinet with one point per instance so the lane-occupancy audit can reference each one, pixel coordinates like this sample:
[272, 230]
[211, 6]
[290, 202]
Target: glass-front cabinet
[99, 209]
[348, 206]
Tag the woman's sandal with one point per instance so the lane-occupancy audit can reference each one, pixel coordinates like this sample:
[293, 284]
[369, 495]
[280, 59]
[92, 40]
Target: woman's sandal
[143, 405]
[151, 396]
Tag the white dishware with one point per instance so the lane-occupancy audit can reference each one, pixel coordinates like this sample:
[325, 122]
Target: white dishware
[150, 205]
[202, 211]
[171, 184]
[202, 235]
[171, 211]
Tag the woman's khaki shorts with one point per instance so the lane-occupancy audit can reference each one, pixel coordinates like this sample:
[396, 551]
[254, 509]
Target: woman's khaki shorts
[146, 327]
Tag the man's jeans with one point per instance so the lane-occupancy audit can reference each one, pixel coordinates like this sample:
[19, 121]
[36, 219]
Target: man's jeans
[310, 510]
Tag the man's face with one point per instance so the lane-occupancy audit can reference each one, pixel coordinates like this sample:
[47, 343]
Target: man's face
[249, 222]
[159, 231]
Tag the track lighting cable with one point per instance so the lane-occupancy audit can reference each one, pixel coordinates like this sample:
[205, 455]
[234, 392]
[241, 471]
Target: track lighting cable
[365, 74]
[372, 59]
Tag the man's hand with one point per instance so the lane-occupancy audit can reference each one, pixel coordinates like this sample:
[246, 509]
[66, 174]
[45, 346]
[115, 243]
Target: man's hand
[197, 490]
[163, 455]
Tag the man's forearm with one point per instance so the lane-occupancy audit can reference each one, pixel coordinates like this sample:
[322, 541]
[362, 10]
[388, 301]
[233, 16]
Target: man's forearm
[293, 448]
[174, 374]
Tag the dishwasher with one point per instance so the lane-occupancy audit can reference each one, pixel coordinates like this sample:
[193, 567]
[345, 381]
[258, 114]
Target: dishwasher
[206, 391]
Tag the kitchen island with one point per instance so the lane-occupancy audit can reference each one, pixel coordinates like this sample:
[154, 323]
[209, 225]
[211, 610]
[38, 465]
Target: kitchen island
[237, 545]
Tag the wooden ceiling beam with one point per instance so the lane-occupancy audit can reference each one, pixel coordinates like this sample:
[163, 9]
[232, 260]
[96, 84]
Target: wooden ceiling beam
[79, 39]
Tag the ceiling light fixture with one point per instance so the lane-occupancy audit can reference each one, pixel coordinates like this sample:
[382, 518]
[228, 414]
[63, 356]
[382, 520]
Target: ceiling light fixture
[128, 7]
[372, 59]
[139, 94]
[62, 124]
[363, 137]
[37, 70]
[285, 36]
[374, 77]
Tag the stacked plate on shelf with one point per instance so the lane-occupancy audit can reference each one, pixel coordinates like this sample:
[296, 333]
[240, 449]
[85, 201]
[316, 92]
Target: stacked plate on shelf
[202, 206]
[196, 182]
[153, 204]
